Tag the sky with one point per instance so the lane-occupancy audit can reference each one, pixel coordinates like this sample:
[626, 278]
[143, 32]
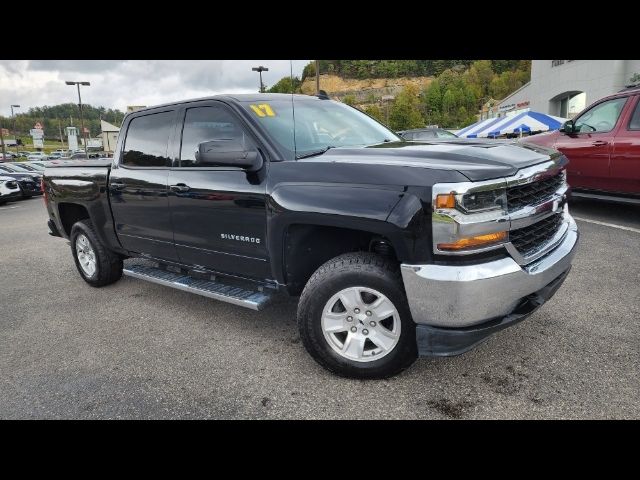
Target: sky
[119, 83]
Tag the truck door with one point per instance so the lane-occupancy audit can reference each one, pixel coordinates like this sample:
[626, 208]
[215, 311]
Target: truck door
[218, 213]
[625, 157]
[589, 149]
[138, 186]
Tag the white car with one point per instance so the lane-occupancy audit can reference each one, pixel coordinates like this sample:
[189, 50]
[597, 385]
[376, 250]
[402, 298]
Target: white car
[9, 189]
[38, 156]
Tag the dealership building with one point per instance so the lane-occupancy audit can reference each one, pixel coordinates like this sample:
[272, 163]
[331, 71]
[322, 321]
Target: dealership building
[565, 87]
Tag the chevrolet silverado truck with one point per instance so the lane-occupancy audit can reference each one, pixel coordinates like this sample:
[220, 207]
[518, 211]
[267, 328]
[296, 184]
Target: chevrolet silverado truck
[395, 249]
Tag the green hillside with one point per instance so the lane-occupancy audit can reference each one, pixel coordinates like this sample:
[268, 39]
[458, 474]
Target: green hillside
[64, 115]
[452, 98]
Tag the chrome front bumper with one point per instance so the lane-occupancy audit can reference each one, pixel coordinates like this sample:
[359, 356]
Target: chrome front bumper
[453, 296]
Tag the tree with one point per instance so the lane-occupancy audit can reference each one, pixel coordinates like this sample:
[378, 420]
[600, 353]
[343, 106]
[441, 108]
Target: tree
[479, 76]
[309, 70]
[635, 78]
[375, 111]
[349, 100]
[405, 111]
[286, 85]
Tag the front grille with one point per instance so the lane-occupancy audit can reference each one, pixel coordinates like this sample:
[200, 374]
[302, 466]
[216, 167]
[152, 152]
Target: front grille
[533, 193]
[530, 239]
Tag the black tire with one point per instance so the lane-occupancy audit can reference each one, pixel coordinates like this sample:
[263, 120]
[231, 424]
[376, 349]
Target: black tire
[108, 264]
[349, 270]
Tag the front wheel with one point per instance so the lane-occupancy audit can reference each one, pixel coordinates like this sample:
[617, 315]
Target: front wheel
[354, 318]
[97, 265]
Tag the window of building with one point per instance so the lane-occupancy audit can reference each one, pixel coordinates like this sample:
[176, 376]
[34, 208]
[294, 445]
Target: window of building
[601, 118]
[147, 140]
[203, 124]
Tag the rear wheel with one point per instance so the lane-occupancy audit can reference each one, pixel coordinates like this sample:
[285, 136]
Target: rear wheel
[354, 318]
[97, 265]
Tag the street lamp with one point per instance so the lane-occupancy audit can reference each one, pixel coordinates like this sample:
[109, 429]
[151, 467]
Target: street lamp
[84, 135]
[260, 69]
[15, 133]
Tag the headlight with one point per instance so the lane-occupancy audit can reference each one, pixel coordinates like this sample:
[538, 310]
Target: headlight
[469, 217]
[474, 202]
[483, 201]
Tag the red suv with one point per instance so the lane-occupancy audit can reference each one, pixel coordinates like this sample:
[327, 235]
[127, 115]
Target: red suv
[602, 144]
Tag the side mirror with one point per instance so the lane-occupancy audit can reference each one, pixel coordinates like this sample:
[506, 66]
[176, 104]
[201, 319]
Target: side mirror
[568, 127]
[227, 153]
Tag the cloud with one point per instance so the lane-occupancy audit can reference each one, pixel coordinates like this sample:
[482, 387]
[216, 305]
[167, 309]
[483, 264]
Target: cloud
[118, 83]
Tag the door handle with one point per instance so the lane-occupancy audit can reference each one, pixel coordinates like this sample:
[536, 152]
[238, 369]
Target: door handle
[180, 187]
[600, 143]
[117, 185]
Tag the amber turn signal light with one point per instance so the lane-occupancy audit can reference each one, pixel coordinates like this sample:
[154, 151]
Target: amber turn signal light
[446, 201]
[479, 241]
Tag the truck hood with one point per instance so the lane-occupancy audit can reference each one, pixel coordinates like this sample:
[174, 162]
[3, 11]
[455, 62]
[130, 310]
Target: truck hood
[475, 159]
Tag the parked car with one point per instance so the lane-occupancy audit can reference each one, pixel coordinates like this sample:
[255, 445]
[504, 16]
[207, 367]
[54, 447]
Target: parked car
[417, 134]
[54, 155]
[37, 156]
[8, 156]
[29, 183]
[396, 249]
[13, 167]
[602, 144]
[38, 165]
[9, 189]
[23, 167]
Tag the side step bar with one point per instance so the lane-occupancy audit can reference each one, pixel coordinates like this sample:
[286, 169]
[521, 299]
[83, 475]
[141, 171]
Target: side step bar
[243, 297]
[608, 198]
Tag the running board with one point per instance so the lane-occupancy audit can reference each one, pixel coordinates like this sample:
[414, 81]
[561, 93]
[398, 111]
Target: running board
[255, 300]
[608, 198]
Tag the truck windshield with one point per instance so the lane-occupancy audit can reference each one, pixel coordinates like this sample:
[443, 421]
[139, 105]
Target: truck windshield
[319, 125]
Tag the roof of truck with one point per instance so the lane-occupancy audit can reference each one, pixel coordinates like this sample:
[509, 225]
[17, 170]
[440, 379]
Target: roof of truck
[238, 97]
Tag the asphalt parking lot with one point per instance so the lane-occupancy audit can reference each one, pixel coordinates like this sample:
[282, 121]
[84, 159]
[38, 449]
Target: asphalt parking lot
[139, 350]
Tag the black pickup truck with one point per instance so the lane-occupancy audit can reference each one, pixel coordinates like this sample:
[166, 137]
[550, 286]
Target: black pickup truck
[395, 248]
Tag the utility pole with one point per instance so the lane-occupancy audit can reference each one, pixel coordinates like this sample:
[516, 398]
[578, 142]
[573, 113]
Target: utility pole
[260, 69]
[61, 137]
[317, 77]
[4, 152]
[84, 135]
[15, 133]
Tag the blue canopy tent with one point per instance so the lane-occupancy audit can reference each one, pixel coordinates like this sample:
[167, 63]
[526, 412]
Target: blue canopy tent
[514, 124]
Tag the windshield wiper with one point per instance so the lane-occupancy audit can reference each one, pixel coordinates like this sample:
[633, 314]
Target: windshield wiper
[314, 152]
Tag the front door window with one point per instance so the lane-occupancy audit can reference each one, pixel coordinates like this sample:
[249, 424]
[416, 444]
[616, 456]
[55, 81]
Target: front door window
[601, 118]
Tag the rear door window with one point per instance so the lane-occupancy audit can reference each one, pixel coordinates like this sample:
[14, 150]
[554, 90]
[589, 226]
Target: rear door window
[634, 123]
[147, 140]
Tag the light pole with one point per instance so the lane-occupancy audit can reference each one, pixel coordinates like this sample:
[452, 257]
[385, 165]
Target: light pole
[260, 69]
[2, 143]
[84, 135]
[15, 133]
